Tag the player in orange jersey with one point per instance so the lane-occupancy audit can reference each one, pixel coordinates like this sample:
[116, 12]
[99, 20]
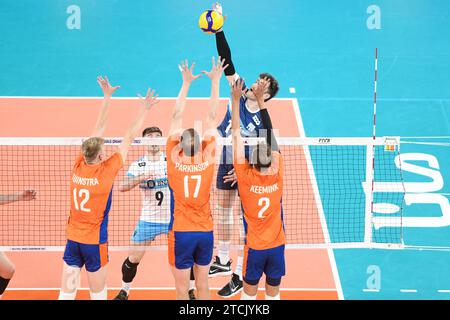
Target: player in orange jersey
[7, 268]
[91, 186]
[190, 170]
[260, 185]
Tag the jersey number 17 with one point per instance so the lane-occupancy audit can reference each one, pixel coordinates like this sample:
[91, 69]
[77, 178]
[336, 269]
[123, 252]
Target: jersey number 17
[198, 178]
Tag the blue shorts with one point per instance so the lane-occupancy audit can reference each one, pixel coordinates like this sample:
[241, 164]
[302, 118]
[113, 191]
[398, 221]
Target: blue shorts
[93, 256]
[270, 262]
[189, 248]
[148, 231]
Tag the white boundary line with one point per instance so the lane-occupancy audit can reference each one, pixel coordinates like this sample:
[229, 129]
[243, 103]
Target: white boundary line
[167, 288]
[408, 290]
[315, 187]
[371, 290]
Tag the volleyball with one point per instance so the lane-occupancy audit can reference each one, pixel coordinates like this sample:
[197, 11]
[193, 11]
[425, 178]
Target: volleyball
[210, 21]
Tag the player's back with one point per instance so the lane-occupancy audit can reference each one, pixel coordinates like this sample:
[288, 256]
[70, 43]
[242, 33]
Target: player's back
[261, 198]
[190, 182]
[91, 196]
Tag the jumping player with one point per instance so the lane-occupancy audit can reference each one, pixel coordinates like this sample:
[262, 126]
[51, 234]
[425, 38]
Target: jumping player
[7, 268]
[150, 174]
[91, 196]
[260, 182]
[251, 124]
[190, 168]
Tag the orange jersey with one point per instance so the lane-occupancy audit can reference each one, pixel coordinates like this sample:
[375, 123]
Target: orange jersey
[91, 196]
[260, 195]
[190, 181]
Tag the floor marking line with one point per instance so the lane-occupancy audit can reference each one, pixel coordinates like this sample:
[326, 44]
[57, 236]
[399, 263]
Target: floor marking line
[331, 258]
[169, 288]
[408, 290]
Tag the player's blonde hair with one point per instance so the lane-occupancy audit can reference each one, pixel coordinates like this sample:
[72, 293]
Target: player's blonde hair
[91, 148]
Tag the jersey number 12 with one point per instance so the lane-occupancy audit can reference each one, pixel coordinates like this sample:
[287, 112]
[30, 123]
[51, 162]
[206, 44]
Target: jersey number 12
[83, 194]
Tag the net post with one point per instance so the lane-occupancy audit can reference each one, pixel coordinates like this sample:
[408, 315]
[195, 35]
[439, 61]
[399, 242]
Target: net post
[370, 160]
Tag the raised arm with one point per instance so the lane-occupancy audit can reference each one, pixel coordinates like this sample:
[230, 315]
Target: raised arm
[215, 75]
[26, 195]
[108, 91]
[188, 78]
[130, 182]
[149, 100]
[259, 92]
[238, 146]
[223, 48]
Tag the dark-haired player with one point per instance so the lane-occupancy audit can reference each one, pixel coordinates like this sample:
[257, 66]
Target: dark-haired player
[7, 268]
[150, 174]
[260, 180]
[251, 124]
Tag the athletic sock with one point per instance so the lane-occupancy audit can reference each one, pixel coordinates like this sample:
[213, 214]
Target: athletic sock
[126, 286]
[102, 295]
[244, 296]
[224, 251]
[67, 296]
[238, 271]
[192, 281]
[277, 297]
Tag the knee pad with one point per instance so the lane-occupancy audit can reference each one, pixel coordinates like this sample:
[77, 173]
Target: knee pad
[129, 271]
[102, 295]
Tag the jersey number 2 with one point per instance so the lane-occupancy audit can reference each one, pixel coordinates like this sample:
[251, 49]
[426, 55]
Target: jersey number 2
[264, 203]
[197, 186]
[83, 194]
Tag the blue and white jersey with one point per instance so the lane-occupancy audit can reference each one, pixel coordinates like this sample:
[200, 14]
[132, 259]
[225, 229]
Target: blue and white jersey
[155, 192]
[251, 123]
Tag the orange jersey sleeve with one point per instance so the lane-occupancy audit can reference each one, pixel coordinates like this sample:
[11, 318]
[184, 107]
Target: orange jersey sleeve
[91, 197]
[190, 181]
[261, 195]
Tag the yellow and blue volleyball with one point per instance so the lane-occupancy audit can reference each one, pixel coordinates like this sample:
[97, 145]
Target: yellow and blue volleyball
[210, 21]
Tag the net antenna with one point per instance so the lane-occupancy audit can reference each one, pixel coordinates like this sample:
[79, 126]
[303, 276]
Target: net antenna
[371, 171]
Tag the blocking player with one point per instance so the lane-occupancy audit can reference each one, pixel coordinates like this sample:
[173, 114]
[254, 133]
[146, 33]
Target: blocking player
[150, 174]
[7, 268]
[91, 186]
[260, 181]
[190, 168]
[251, 124]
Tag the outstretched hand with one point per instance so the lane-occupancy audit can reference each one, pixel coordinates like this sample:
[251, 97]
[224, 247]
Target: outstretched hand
[107, 89]
[237, 89]
[217, 7]
[260, 89]
[150, 99]
[216, 70]
[187, 73]
[28, 195]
